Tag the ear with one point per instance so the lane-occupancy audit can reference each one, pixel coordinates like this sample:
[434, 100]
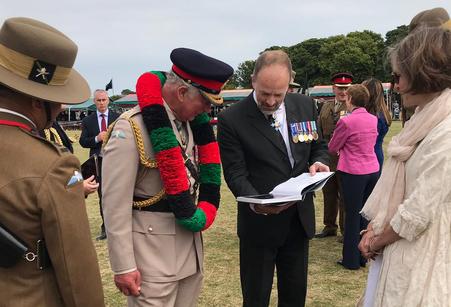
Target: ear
[182, 90]
[36, 103]
[253, 80]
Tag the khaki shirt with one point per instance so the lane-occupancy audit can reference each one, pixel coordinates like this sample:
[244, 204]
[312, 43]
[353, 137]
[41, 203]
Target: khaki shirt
[328, 119]
[41, 200]
[151, 242]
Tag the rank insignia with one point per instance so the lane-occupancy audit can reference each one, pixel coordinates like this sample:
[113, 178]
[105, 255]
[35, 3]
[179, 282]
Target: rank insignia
[76, 178]
[118, 134]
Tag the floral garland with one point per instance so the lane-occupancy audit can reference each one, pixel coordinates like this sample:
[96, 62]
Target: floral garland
[170, 160]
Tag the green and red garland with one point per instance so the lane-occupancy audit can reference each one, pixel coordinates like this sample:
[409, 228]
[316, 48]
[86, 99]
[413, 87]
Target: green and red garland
[170, 160]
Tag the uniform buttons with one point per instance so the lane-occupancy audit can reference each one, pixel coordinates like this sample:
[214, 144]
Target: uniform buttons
[150, 229]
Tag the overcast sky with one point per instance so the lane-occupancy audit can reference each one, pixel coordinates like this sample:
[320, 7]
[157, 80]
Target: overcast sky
[122, 39]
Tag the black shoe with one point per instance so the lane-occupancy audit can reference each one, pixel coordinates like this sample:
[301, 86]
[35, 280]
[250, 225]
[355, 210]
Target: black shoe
[326, 233]
[102, 236]
[340, 262]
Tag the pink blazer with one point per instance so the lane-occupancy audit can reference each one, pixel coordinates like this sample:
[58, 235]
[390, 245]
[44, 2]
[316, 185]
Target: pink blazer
[354, 138]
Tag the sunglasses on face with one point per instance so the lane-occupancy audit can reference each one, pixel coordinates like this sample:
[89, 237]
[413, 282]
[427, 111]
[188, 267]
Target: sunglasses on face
[395, 77]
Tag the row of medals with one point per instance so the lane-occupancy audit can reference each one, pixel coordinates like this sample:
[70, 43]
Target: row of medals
[304, 132]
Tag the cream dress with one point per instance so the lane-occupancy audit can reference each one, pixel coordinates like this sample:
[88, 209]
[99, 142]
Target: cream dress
[416, 270]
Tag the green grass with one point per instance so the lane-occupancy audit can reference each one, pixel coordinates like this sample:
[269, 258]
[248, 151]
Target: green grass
[328, 284]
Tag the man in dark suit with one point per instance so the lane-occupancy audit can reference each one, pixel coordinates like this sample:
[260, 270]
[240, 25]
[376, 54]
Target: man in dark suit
[93, 134]
[257, 154]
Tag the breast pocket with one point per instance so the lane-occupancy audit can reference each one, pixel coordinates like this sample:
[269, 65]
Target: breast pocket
[154, 244]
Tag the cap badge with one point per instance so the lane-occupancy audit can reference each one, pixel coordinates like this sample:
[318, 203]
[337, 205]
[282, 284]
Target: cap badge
[42, 72]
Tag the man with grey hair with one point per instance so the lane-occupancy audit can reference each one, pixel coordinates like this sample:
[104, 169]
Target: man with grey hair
[265, 139]
[93, 133]
[154, 160]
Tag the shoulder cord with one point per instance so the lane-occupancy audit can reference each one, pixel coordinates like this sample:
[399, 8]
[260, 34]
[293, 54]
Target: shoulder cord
[143, 159]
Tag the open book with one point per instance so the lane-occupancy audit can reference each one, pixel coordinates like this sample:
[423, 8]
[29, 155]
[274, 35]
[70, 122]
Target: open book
[291, 190]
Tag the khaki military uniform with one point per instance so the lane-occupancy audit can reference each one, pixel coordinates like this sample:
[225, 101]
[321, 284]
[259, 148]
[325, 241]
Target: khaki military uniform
[333, 201]
[168, 256]
[38, 203]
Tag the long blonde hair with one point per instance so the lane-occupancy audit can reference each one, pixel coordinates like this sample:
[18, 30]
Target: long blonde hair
[376, 104]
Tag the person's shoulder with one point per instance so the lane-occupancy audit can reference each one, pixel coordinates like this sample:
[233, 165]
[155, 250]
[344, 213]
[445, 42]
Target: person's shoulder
[300, 101]
[43, 150]
[133, 112]
[128, 120]
[89, 117]
[114, 114]
[236, 108]
[298, 96]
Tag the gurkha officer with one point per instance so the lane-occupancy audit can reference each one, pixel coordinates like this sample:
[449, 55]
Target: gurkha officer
[47, 257]
[328, 118]
[149, 181]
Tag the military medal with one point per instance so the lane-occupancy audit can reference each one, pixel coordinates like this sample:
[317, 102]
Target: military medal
[315, 133]
[294, 134]
[304, 128]
[300, 134]
[309, 127]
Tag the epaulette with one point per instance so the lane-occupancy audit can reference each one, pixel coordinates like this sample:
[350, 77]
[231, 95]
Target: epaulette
[145, 160]
[60, 149]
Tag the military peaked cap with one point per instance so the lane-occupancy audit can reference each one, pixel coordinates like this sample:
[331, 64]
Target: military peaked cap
[342, 79]
[207, 74]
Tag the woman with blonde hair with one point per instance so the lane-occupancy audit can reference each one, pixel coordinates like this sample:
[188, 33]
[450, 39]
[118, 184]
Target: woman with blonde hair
[410, 208]
[376, 105]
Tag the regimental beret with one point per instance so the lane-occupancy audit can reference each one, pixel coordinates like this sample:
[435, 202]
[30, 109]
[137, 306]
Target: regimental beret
[432, 18]
[207, 74]
[342, 79]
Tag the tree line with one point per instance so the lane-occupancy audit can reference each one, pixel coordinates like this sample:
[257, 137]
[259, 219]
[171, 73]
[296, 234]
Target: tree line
[364, 53]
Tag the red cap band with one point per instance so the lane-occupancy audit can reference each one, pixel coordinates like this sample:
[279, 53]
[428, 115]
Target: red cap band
[342, 80]
[209, 84]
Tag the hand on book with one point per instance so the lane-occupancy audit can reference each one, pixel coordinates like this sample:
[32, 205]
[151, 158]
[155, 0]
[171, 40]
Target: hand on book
[318, 167]
[271, 209]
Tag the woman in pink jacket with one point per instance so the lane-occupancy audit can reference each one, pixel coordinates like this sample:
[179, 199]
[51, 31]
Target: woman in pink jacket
[354, 139]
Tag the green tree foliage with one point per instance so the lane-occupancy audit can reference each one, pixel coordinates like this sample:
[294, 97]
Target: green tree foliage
[394, 36]
[127, 91]
[242, 76]
[115, 97]
[362, 52]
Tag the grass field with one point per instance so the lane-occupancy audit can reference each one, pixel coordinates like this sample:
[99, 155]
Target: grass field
[328, 283]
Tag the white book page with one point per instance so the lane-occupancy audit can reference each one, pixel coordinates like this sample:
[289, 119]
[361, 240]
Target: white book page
[294, 186]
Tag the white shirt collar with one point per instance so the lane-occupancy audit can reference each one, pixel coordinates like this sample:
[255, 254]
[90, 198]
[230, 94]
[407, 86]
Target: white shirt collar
[106, 113]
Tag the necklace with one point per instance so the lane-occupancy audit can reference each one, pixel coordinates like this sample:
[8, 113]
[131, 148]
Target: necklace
[170, 160]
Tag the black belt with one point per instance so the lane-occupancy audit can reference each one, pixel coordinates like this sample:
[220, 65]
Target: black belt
[160, 206]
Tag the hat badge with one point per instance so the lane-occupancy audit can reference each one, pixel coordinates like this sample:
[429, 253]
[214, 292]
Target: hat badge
[343, 78]
[42, 71]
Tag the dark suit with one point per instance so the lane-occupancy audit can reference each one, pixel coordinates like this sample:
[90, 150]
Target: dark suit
[255, 160]
[89, 130]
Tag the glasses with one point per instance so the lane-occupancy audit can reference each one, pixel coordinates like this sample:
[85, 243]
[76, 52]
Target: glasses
[395, 77]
